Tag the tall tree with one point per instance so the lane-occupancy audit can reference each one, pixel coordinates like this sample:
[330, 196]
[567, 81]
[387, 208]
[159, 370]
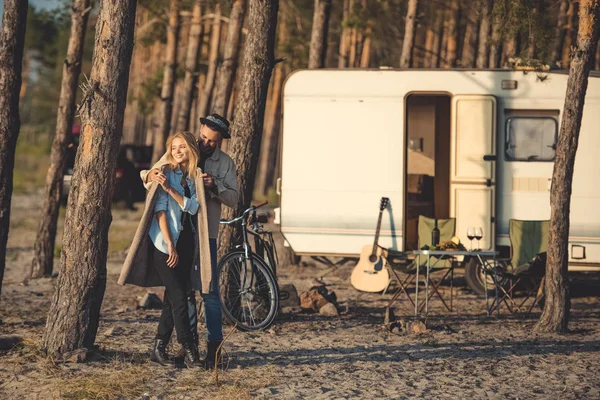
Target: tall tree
[560, 30]
[483, 49]
[555, 316]
[213, 55]
[43, 258]
[409, 34]
[74, 313]
[318, 39]
[168, 84]
[191, 64]
[231, 52]
[438, 38]
[344, 55]
[467, 58]
[249, 113]
[12, 40]
[452, 44]
[496, 39]
[571, 33]
[269, 148]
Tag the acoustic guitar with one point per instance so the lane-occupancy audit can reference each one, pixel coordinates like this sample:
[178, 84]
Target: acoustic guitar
[370, 274]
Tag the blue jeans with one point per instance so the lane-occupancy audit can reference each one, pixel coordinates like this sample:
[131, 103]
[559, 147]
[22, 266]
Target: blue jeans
[212, 303]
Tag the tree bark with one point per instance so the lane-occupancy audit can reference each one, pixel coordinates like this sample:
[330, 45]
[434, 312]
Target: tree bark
[249, 113]
[168, 84]
[555, 316]
[496, 44]
[365, 55]
[409, 34]
[452, 43]
[438, 39]
[429, 39]
[318, 38]
[269, 145]
[191, 65]
[511, 45]
[569, 35]
[12, 40]
[559, 32]
[467, 58]
[345, 37]
[483, 50]
[228, 67]
[43, 258]
[209, 82]
[74, 313]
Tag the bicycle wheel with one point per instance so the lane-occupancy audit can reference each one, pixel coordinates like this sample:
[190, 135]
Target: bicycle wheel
[248, 291]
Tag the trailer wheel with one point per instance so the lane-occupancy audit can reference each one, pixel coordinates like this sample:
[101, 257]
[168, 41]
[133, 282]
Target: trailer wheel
[474, 277]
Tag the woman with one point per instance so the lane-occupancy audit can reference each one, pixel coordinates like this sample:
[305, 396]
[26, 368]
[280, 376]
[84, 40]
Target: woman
[165, 248]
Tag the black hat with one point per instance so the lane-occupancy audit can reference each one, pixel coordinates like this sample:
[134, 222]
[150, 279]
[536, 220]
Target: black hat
[217, 123]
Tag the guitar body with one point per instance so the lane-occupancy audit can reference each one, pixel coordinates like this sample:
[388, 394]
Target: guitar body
[370, 273]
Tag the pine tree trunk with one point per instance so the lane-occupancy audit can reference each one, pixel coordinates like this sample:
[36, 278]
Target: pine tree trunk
[43, 258]
[345, 37]
[213, 55]
[264, 173]
[365, 55]
[228, 67]
[353, 40]
[534, 21]
[12, 40]
[409, 34]
[318, 38]
[168, 84]
[429, 39]
[74, 313]
[483, 50]
[570, 35]
[496, 42]
[555, 316]
[597, 66]
[467, 58]
[269, 146]
[452, 43]
[559, 32]
[249, 113]
[438, 39]
[191, 65]
[511, 45]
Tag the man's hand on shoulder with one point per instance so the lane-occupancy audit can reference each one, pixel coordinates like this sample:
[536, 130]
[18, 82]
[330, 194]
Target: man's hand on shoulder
[155, 175]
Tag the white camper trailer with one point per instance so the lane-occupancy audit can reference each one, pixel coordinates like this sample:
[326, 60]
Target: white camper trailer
[475, 145]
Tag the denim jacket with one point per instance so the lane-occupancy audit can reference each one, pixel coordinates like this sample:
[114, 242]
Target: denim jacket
[165, 202]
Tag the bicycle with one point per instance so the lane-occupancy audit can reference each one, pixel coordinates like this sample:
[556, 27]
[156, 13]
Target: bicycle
[248, 287]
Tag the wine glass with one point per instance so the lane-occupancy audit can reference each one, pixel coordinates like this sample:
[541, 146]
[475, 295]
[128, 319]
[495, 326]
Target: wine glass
[478, 235]
[471, 235]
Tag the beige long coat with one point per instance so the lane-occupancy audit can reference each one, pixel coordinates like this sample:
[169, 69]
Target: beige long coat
[138, 268]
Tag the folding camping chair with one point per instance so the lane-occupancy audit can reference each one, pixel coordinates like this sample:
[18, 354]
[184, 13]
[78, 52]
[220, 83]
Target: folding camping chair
[526, 267]
[400, 263]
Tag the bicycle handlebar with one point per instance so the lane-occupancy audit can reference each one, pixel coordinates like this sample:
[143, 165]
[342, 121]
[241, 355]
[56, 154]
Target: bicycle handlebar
[244, 214]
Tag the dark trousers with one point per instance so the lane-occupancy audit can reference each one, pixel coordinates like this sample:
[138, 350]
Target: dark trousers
[177, 285]
[212, 303]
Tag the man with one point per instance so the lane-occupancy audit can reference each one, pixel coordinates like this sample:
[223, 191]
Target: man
[220, 180]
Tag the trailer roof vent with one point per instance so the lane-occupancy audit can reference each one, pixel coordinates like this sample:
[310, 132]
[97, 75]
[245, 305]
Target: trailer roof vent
[508, 84]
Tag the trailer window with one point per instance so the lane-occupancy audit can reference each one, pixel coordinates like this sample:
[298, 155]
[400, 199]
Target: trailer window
[531, 138]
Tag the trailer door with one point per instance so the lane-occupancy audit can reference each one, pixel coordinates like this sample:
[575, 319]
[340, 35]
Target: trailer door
[472, 179]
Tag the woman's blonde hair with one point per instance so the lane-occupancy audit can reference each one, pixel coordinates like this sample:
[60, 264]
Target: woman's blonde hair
[194, 155]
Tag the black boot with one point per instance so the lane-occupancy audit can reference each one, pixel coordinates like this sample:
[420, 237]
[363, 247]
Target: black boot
[213, 353]
[191, 358]
[159, 353]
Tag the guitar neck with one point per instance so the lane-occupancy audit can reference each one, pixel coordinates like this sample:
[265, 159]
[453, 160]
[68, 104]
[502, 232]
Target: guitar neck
[377, 232]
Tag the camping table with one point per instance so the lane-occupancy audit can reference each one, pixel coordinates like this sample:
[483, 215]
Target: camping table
[487, 259]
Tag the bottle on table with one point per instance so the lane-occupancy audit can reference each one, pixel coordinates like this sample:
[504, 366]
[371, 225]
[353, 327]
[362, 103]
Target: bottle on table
[435, 234]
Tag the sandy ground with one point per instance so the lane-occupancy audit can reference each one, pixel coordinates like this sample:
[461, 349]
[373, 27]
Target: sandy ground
[462, 354]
